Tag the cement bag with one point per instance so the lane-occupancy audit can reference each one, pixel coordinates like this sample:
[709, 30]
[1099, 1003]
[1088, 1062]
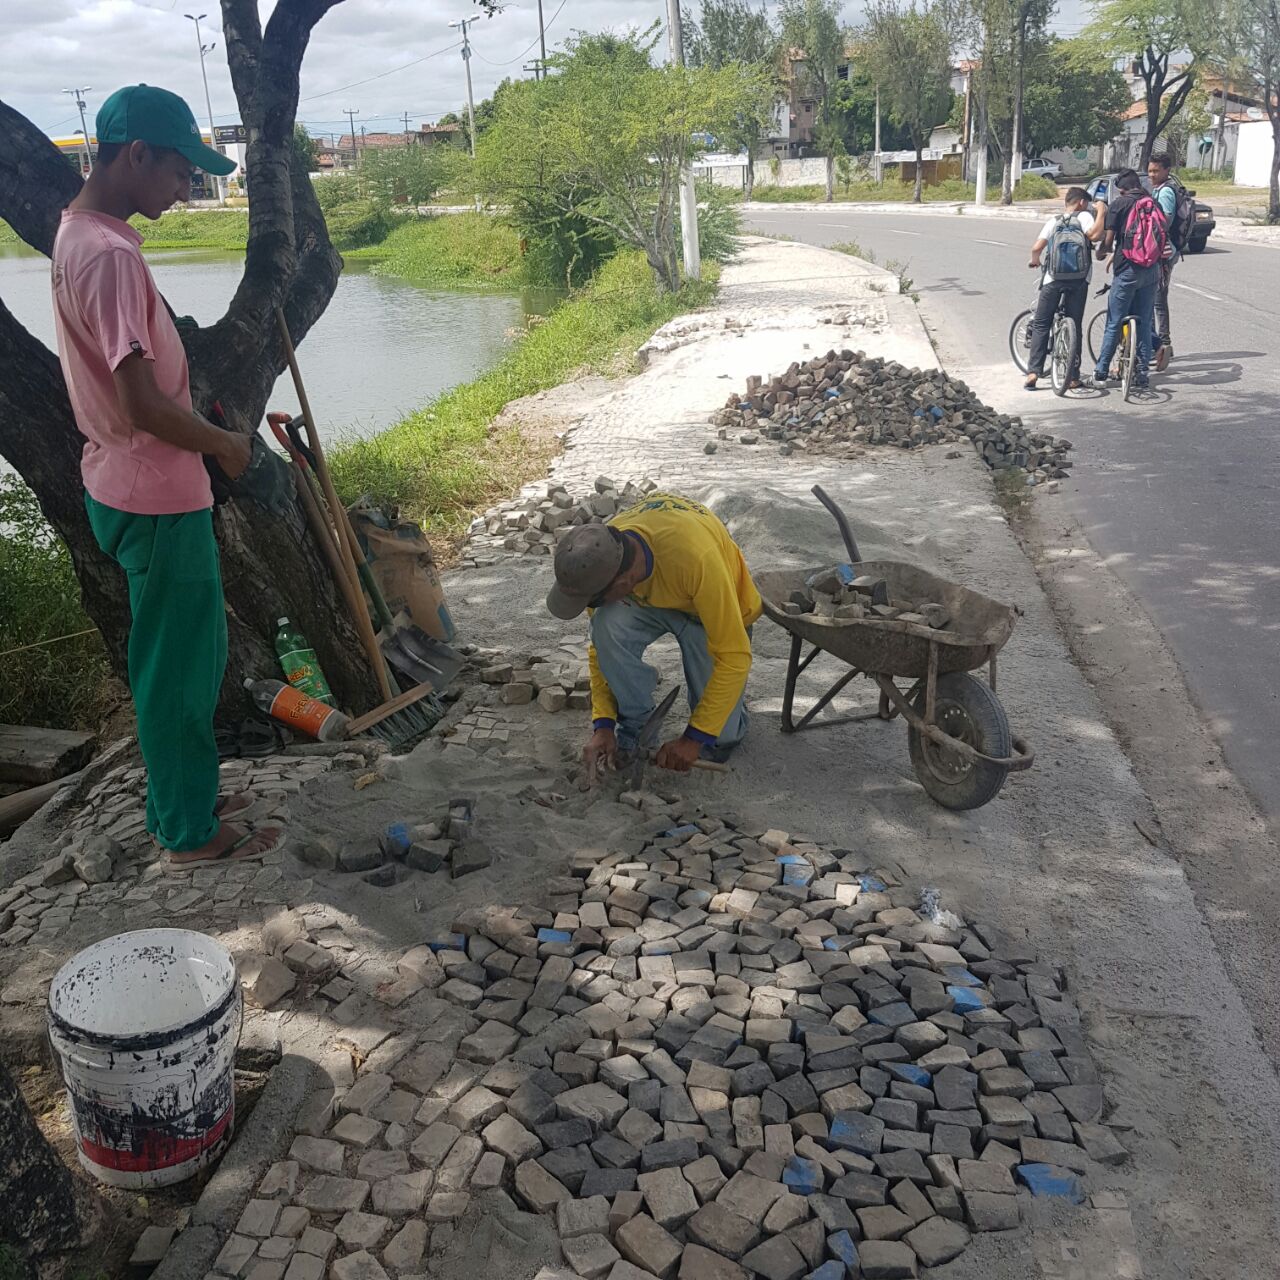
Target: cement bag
[400, 558]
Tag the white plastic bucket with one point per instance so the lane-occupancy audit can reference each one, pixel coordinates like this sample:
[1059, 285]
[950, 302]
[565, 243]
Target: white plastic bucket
[146, 1026]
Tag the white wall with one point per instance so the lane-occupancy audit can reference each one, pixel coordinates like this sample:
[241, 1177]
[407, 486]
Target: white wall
[1254, 147]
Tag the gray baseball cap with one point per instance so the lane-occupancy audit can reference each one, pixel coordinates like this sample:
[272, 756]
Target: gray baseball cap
[587, 561]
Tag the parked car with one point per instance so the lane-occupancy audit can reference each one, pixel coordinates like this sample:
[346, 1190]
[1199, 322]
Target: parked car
[1201, 229]
[1042, 168]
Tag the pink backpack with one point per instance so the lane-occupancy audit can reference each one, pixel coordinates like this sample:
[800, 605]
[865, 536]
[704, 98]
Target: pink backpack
[1144, 233]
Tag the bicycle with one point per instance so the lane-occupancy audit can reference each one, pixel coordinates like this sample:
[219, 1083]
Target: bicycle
[1126, 352]
[1064, 346]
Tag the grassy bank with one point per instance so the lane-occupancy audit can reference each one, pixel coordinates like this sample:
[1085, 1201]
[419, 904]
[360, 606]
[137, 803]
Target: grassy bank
[181, 229]
[953, 191]
[443, 463]
[455, 250]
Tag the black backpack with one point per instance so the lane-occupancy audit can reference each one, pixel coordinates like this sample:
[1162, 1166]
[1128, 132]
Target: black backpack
[1184, 213]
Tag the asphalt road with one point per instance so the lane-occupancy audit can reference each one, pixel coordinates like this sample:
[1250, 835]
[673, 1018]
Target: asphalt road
[1179, 491]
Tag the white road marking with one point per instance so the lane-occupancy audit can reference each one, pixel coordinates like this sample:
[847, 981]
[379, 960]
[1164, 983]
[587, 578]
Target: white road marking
[1190, 288]
[839, 226]
[896, 232]
[1002, 243]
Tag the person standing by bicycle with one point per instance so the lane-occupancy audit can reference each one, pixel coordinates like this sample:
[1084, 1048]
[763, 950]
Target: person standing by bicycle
[1135, 234]
[1179, 212]
[1063, 252]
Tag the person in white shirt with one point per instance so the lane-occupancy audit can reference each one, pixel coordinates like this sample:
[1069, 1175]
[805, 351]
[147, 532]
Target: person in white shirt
[1071, 292]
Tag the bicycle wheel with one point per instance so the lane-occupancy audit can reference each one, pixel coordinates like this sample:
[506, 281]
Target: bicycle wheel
[1066, 351]
[1020, 340]
[1129, 356]
[1097, 327]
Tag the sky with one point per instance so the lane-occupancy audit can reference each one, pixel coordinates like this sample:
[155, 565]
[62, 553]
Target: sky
[380, 57]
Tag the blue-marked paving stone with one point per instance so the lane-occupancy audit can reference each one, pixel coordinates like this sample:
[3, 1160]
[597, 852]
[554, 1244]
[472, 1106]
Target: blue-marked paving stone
[909, 1072]
[802, 1176]
[871, 885]
[856, 1132]
[791, 860]
[961, 976]
[395, 840]
[841, 1244]
[554, 935]
[895, 1015]
[450, 942]
[1050, 1180]
[798, 875]
[686, 830]
[966, 1000]
[831, 944]
[828, 1271]
[665, 948]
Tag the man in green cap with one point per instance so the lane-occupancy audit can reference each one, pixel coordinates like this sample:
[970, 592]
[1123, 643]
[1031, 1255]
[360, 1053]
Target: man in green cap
[146, 488]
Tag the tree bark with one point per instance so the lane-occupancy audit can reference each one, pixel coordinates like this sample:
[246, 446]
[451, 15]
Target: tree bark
[749, 188]
[270, 564]
[831, 178]
[1273, 207]
[918, 195]
[45, 1211]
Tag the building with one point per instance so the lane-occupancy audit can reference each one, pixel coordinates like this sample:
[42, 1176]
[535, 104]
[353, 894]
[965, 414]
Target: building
[203, 187]
[433, 134]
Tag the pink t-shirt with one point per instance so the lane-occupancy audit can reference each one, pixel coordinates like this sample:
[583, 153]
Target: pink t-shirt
[106, 307]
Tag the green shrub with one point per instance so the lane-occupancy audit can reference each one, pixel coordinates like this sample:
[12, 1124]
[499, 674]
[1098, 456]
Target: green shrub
[357, 223]
[719, 222]
[785, 195]
[334, 189]
[57, 684]
[452, 249]
[1035, 186]
[443, 462]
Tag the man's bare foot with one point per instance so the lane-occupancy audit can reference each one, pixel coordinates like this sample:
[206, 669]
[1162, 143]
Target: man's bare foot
[233, 843]
[229, 806]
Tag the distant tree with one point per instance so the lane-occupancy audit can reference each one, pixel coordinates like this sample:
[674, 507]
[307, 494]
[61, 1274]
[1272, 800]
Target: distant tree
[1252, 51]
[305, 149]
[907, 47]
[604, 138]
[1067, 102]
[812, 35]
[410, 175]
[729, 32]
[1168, 41]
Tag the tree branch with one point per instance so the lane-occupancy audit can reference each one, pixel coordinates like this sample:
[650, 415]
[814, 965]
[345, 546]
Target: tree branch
[36, 182]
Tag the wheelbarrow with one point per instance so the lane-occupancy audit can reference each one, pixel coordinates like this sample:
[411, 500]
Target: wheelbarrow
[957, 732]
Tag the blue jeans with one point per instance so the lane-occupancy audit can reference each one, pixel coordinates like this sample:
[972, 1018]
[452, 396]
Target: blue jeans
[621, 632]
[1128, 298]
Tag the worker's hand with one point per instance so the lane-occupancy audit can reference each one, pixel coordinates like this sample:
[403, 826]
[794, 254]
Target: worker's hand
[600, 754]
[678, 755]
[279, 419]
[234, 452]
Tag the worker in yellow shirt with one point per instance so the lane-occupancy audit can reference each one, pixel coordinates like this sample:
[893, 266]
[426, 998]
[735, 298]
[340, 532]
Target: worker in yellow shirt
[666, 567]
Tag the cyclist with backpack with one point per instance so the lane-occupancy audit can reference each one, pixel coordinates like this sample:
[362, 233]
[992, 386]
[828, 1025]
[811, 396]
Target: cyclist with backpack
[1179, 209]
[1135, 235]
[1064, 253]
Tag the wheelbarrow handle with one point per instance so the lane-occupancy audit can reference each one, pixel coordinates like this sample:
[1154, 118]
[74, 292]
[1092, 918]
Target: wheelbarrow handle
[851, 546]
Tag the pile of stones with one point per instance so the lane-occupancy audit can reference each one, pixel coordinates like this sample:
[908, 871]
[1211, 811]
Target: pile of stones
[553, 682]
[841, 594]
[447, 844]
[534, 525]
[718, 1054]
[842, 401]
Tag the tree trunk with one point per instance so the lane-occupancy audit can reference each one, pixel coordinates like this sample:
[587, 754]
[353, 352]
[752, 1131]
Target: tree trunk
[1006, 179]
[980, 147]
[918, 195]
[1273, 207]
[270, 564]
[750, 185]
[45, 1210]
[1015, 130]
[831, 178]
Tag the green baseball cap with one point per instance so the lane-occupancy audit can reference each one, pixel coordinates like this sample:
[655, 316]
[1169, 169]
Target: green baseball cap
[143, 113]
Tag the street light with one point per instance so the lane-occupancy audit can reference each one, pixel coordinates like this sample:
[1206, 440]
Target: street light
[208, 105]
[84, 128]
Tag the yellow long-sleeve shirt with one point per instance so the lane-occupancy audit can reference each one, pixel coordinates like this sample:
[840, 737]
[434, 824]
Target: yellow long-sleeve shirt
[698, 569]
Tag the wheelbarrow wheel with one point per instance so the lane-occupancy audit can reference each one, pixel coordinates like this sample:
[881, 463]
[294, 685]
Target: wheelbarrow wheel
[967, 709]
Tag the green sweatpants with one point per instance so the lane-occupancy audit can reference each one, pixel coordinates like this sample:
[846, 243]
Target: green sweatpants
[177, 655]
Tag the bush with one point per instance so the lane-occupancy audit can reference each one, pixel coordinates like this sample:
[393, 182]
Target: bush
[356, 223]
[57, 684]
[334, 189]
[453, 249]
[719, 222]
[1034, 186]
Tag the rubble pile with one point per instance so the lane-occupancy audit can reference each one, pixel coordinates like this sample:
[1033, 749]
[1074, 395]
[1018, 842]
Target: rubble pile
[554, 683]
[841, 594]
[533, 525]
[718, 1054]
[842, 401]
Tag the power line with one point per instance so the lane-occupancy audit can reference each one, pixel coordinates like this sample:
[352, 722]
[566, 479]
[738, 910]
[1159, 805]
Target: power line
[537, 40]
[382, 75]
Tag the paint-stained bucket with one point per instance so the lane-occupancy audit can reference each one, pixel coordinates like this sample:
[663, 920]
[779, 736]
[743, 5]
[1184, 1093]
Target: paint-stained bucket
[146, 1026]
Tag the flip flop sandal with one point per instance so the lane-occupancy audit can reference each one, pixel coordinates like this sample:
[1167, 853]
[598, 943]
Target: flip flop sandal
[1031, 386]
[234, 852]
[223, 808]
[257, 740]
[227, 740]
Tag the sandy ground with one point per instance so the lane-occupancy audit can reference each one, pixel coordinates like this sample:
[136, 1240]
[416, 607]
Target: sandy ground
[1056, 857]
[1057, 854]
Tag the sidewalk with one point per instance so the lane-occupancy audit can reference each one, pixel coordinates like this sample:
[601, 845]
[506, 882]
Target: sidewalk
[427, 1104]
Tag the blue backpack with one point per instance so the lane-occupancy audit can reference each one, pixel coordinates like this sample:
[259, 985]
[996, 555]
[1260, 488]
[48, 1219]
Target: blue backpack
[1068, 256]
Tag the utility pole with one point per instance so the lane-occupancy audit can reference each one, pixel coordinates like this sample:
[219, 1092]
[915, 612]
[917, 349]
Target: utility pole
[464, 23]
[406, 128]
[84, 128]
[208, 105]
[351, 113]
[688, 193]
[542, 45]
[536, 67]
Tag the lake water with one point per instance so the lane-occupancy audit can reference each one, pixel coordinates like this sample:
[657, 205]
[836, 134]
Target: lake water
[384, 347]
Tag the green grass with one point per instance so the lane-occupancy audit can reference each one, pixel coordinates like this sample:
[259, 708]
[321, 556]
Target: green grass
[443, 462]
[453, 250]
[952, 191]
[195, 229]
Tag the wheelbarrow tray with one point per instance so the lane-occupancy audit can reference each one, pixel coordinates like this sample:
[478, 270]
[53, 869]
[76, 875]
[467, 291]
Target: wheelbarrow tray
[978, 628]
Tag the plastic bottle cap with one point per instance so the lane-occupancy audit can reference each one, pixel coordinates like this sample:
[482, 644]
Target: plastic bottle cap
[282, 622]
